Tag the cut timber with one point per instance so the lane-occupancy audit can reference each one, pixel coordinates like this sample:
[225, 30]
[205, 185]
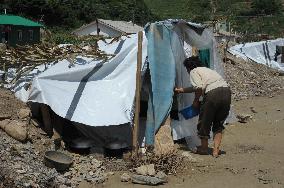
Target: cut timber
[164, 143]
[48, 128]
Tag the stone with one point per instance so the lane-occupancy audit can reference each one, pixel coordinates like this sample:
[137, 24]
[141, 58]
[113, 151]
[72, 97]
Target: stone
[161, 175]
[125, 177]
[4, 116]
[147, 180]
[164, 142]
[146, 170]
[16, 129]
[189, 157]
[23, 113]
[96, 163]
[244, 118]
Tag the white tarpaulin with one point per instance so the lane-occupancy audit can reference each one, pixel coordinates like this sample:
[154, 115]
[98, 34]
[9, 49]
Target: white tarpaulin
[263, 52]
[92, 92]
[101, 94]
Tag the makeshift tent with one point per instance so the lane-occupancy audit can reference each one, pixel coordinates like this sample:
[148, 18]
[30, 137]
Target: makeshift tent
[263, 52]
[95, 94]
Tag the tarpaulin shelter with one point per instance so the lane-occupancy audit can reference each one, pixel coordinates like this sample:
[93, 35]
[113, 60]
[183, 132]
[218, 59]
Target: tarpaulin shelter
[98, 96]
[263, 52]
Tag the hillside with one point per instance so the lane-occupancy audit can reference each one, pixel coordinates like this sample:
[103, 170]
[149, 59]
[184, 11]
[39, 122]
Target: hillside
[249, 17]
[72, 13]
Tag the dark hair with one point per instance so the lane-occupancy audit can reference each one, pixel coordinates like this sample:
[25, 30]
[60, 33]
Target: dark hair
[192, 62]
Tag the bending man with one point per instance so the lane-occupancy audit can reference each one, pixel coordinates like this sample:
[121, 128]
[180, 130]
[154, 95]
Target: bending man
[215, 105]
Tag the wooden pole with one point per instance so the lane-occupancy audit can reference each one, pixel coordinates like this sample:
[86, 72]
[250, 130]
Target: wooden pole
[137, 96]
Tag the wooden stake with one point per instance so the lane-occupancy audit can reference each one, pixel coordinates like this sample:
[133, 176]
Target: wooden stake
[137, 96]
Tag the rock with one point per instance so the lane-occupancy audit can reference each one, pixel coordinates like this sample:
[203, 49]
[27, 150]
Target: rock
[35, 122]
[244, 118]
[189, 157]
[164, 142]
[161, 175]
[16, 129]
[147, 180]
[23, 113]
[125, 177]
[253, 110]
[146, 170]
[4, 116]
[96, 163]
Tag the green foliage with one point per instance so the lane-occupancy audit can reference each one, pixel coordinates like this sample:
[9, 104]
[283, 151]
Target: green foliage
[73, 13]
[248, 17]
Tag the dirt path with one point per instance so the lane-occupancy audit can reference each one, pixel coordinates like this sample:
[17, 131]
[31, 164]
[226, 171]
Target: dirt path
[254, 152]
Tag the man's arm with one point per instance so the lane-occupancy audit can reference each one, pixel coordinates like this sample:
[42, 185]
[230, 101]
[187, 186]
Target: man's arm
[198, 93]
[185, 90]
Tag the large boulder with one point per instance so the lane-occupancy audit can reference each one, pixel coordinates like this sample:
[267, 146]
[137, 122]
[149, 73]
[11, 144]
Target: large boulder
[16, 129]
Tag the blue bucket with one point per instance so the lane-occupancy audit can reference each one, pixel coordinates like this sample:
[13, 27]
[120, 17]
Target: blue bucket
[189, 112]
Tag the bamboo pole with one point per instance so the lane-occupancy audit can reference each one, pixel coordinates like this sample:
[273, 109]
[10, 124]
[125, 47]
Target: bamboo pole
[137, 96]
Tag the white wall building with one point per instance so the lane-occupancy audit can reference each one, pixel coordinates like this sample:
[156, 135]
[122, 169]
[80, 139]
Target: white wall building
[108, 28]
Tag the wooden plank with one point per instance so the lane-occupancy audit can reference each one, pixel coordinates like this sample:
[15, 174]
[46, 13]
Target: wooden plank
[137, 96]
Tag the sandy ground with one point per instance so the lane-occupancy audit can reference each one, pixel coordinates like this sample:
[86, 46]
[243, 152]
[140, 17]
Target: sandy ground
[254, 152]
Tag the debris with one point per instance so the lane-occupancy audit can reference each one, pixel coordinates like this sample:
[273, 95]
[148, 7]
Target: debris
[23, 113]
[244, 118]
[125, 177]
[161, 175]
[4, 116]
[168, 163]
[26, 58]
[253, 110]
[248, 79]
[163, 140]
[147, 180]
[189, 157]
[146, 170]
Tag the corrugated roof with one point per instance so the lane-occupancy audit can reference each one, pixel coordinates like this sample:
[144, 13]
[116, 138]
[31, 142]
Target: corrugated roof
[17, 20]
[123, 26]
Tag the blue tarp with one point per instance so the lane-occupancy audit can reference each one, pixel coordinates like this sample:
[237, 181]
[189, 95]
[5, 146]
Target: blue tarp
[162, 71]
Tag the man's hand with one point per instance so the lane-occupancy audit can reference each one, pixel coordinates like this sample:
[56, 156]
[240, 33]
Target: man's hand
[179, 90]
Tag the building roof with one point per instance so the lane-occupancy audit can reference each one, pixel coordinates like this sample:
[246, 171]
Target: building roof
[121, 26]
[17, 20]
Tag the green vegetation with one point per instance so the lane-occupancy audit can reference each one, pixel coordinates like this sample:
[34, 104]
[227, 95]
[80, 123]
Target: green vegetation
[73, 13]
[248, 17]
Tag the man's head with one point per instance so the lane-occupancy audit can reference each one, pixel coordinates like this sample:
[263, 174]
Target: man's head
[191, 63]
